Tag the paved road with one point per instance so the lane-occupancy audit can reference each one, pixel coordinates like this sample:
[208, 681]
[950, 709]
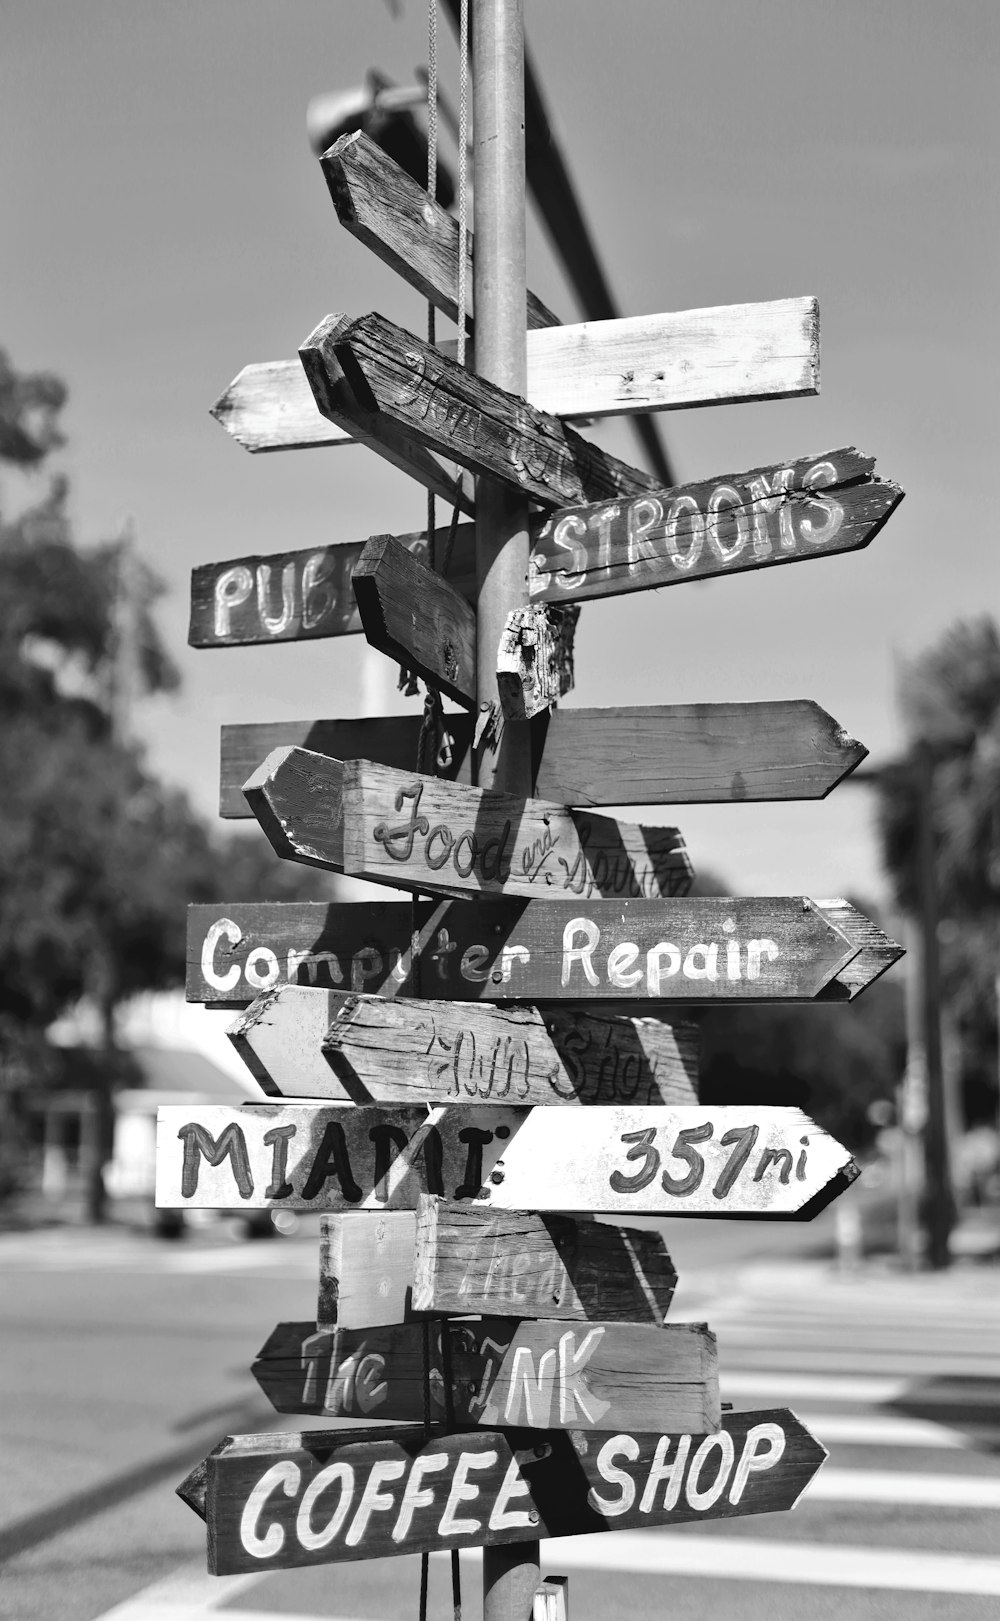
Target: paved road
[123, 1360]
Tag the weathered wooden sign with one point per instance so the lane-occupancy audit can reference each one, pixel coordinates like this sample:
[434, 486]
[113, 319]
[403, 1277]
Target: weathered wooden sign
[400, 395]
[595, 369]
[535, 1375]
[413, 615]
[534, 952]
[298, 596]
[535, 659]
[453, 1259]
[667, 754]
[311, 1043]
[788, 513]
[417, 832]
[688, 1161]
[276, 1501]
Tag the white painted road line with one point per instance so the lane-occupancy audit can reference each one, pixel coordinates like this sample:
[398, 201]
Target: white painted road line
[903, 1487]
[813, 1564]
[188, 1594]
[883, 1430]
[949, 1389]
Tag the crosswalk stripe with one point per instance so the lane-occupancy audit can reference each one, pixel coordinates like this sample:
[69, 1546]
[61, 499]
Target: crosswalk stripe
[910, 1367]
[878, 1429]
[833, 1485]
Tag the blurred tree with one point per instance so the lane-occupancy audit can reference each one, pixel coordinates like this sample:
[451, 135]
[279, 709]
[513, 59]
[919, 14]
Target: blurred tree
[97, 857]
[950, 697]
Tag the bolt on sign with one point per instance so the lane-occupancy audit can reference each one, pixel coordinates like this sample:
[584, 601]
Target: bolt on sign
[464, 1078]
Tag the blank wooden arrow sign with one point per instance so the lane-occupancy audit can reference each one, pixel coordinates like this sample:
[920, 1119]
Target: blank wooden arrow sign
[301, 1042]
[403, 397]
[414, 831]
[693, 1161]
[413, 615]
[297, 596]
[276, 1501]
[667, 754]
[535, 951]
[769, 515]
[735, 352]
[457, 1259]
[536, 1375]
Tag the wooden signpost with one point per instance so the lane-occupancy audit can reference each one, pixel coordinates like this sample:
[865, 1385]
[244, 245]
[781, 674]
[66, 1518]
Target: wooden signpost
[448, 1258]
[536, 1375]
[470, 1069]
[661, 1161]
[541, 951]
[417, 832]
[301, 1042]
[666, 754]
[276, 1501]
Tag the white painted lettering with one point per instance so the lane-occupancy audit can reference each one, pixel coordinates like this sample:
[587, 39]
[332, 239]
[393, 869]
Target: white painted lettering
[619, 963]
[662, 962]
[762, 1449]
[464, 1491]
[660, 1470]
[708, 968]
[769, 498]
[471, 966]
[366, 965]
[756, 950]
[224, 929]
[262, 977]
[574, 1392]
[232, 588]
[640, 517]
[514, 1485]
[725, 496]
[276, 624]
[373, 1499]
[684, 506]
[704, 1499]
[511, 955]
[340, 1475]
[582, 954]
[565, 537]
[628, 1447]
[288, 1476]
[602, 521]
[528, 1388]
[318, 592]
[818, 534]
[417, 1495]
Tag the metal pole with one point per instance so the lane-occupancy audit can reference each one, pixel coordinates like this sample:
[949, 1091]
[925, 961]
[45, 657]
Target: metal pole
[939, 1215]
[499, 282]
[510, 1572]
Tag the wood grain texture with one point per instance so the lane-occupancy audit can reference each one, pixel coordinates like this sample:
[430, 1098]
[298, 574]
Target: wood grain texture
[688, 357]
[297, 596]
[814, 507]
[303, 1042]
[735, 1161]
[383, 207]
[367, 1260]
[415, 616]
[592, 369]
[525, 1264]
[667, 754]
[415, 831]
[392, 740]
[494, 1486]
[400, 395]
[534, 952]
[535, 659]
[535, 1375]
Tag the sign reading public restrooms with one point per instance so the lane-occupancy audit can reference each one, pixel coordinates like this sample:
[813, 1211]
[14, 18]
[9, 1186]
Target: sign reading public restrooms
[414, 1055]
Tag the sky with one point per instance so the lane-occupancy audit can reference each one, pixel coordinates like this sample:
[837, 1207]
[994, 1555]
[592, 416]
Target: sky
[167, 223]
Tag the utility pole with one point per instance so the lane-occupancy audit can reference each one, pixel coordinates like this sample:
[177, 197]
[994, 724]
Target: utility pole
[939, 1199]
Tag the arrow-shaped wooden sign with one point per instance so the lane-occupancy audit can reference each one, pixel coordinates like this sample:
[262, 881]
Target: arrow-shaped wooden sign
[536, 1375]
[297, 596]
[457, 1259]
[594, 369]
[667, 754]
[272, 1502]
[413, 615]
[419, 832]
[401, 396]
[778, 514]
[535, 952]
[686, 1161]
[342, 1045]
